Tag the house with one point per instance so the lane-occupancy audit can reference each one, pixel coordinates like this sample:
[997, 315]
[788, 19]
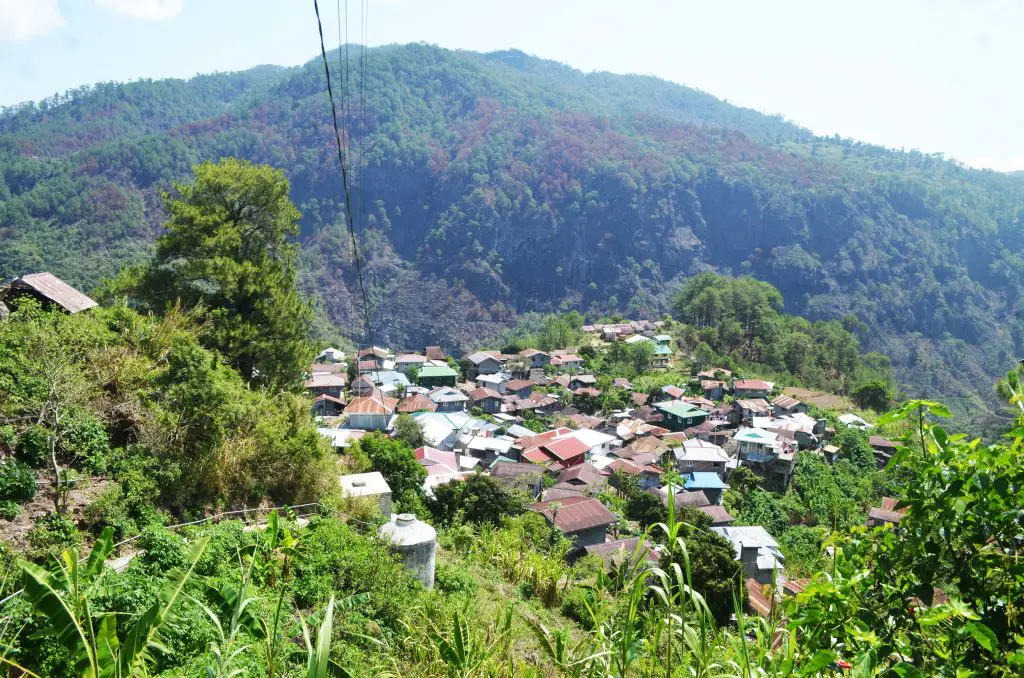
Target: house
[711, 430]
[719, 516]
[583, 475]
[443, 466]
[701, 402]
[679, 415]
[341, 438]
[636, 339]
[49, 290]
[673, 392]
[325, 383]
[756, 550]
[327, 368]
[647, 476]
[519, 474]
[783, 404]
[711, 484]
[883, 448]
[370, 485]
[610, 333]
[327, 406]
[330, 356]
[886, 514]
[374, 353]
[487, 400]
[432, 376]
[830, 453]
[746, 410]
[448, 399]
[371, 413]
[702, 456]
[639, 399]
[481, 362]
[662, 339]
[369, 365]
[495, 382]
[417, 403]
[713, 389]
[661, 357]
[584, 520]
[623, 383]
[622, 551]
[567, 362]
[765, 453]
[536, 358]
[407, 362]
[520, 388]
[715, 373]
[582, 381]
[752, 388]
[557, 454]
[434, 353]
[363, 386]
[390, 381]
[853, 421]
[442, 429]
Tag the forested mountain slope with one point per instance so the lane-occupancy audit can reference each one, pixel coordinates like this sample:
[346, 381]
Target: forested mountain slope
[489, 184]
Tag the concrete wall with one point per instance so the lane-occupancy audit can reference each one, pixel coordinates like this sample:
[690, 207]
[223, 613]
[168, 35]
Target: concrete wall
[591, 537]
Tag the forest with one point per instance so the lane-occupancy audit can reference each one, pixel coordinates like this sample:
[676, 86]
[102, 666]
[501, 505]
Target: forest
[495, 184]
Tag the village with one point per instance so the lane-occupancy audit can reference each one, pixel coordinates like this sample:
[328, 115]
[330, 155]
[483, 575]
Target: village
[533, 420]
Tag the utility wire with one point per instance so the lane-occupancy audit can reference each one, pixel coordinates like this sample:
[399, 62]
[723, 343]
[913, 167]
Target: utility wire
[344, 181]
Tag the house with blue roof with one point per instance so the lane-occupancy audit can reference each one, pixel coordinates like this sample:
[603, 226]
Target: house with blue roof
[708, 482]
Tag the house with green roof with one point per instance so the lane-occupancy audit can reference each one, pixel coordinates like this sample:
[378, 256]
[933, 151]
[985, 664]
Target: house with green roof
[678, 415]
[662, 354]
[432, 376]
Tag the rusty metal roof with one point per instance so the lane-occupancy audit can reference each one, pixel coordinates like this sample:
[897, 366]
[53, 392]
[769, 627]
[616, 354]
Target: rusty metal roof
[56, 290]
[575, 514]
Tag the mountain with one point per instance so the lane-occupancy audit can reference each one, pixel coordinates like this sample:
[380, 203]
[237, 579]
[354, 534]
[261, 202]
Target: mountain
[489, 184]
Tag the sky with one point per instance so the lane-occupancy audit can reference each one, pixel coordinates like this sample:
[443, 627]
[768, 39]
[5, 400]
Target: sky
[933, 75]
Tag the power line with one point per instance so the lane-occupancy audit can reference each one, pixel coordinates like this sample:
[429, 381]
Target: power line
[344, 178]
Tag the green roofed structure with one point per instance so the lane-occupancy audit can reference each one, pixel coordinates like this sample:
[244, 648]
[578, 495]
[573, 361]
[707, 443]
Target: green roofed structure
[678, 415]
[431, 376]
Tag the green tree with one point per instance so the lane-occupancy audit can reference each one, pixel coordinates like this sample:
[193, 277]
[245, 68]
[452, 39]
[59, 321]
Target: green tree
[874, 395]
[477, 499]
[717, 575]
[229, 248]
[409, 431]
[641, 355]
[397, 463]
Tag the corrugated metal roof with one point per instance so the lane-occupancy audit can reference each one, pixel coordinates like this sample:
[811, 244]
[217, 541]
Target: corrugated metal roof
[56, 290]
[575, 514]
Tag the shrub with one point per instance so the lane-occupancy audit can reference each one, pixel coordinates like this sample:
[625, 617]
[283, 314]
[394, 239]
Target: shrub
[17, 481]
[574, 606]
[451, 579]
[9, 510]
[51, 535]
[33, 446]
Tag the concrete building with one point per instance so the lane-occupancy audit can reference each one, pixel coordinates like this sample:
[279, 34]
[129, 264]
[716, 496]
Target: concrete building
[368, 485]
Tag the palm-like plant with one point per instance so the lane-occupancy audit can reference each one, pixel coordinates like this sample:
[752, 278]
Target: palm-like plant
[62, 600]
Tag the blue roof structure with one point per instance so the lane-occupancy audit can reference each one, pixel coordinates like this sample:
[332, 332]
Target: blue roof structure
[704, 480]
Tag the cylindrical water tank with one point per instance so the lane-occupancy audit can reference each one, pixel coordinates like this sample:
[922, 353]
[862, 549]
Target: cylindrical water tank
[416, 543]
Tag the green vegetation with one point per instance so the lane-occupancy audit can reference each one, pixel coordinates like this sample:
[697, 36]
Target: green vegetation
[738, 321]
[506, 603]
[228, 253]
[499, 183]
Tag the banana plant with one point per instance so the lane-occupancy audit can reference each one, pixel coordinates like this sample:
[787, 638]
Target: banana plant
[62, 602]
[464, 650]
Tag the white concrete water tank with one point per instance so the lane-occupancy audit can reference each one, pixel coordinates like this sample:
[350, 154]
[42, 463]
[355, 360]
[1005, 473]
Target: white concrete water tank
[416, 543]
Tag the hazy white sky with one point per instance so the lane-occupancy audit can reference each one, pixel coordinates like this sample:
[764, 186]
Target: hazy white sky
[936, 75]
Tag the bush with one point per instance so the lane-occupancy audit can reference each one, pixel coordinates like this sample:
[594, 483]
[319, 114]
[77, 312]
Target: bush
[33, 446]
[17, 481]
[9, 510]
[574, 606]
[86, 439]
[453, 580]
[51, 535]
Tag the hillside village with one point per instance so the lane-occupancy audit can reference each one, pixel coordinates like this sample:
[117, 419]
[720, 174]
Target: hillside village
[535, 420]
